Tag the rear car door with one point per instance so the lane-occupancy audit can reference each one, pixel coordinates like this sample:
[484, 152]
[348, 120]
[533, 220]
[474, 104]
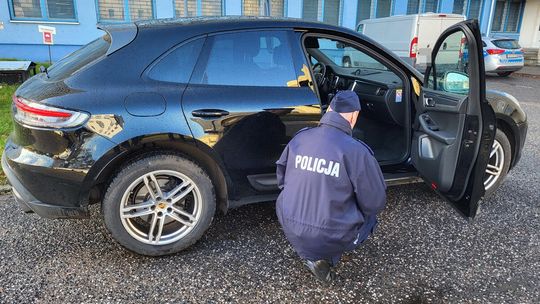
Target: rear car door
[248, 95]
[454, 125]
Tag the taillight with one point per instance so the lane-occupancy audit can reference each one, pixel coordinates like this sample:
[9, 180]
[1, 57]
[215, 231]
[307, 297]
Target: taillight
[413, 48]
[494, 51]
[39, 115]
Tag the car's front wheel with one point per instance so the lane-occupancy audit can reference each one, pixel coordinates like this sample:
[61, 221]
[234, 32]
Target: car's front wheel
[499, 162]
[158, 205]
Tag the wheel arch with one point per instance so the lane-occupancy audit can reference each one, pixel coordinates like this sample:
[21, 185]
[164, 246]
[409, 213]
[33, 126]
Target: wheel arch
[509, 115]
[510, 132]
[109, 164]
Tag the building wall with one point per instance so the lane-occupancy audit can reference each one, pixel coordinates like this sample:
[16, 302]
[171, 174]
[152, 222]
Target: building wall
[21, 39]
[530, 25]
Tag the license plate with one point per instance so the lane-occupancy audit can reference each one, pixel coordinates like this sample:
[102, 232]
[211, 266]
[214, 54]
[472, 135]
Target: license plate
[513, 56]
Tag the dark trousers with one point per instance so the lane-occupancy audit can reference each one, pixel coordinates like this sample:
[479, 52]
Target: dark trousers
[367, 229]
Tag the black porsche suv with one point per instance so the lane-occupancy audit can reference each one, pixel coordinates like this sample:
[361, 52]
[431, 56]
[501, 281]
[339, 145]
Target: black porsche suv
[165, 122]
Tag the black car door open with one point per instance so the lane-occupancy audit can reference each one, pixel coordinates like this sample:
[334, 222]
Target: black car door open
[454, 125]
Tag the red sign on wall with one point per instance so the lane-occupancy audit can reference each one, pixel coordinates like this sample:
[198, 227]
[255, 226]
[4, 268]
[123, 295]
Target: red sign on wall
[48, 38]
[47, 33]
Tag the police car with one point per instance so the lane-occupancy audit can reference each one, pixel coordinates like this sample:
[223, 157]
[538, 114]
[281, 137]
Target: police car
[502, 56]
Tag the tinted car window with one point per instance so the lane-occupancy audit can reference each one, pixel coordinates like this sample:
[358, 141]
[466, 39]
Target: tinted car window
[247, 59]
[80, 58]
[178, 64]
[347, 56]
[509, 44]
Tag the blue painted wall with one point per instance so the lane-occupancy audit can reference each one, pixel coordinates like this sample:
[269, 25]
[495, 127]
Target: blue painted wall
[233, 7]
[485, 17]
[349, 14]
[446, 6]
[294, 8]
[400, 7]
[164, 9]
[23, 41]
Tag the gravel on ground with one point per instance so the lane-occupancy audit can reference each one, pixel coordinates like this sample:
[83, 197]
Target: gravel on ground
[422, 252]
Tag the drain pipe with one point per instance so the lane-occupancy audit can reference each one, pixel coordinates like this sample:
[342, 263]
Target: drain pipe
[490, 19]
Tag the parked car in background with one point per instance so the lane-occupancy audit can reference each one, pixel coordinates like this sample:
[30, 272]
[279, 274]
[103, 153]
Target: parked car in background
[411, 37]
[198, 120]
[502, 56]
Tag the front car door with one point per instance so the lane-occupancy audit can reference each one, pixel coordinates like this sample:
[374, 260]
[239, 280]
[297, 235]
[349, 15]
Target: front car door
[454, 125]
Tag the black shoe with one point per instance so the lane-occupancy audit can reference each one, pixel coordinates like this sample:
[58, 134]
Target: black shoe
[321, 269]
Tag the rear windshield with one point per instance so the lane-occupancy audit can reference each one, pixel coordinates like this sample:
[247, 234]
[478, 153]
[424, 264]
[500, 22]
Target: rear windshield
[80, 58]
[509, 44]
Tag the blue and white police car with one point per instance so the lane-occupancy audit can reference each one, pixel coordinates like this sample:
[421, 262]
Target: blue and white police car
[502, 56]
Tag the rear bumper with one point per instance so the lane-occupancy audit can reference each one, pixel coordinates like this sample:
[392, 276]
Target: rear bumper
[493, 64]
[28, 202]
[511, 68]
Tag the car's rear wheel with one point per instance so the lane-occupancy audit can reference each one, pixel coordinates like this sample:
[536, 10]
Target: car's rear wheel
[504, 74]
[158, 205]
[499, 162]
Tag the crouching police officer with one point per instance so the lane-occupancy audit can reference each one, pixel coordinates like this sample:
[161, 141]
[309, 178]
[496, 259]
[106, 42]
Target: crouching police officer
[332, 188]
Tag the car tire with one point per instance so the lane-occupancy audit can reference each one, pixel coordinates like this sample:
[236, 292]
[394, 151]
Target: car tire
[140, 220]
[499, 162]
[504, 74]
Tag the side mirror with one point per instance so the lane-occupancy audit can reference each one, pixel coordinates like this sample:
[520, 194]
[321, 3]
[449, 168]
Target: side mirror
[456, 82]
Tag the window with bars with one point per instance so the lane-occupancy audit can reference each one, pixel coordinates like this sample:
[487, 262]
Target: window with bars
[384, 8]
[431, 6]
[413, 7]
[115, 10]
[469, 8]
[322, 10]
[140, 9]
[363, 10]
[191, 8]
[460, 7]
[274, 8]
[475, 6]
[54, 10]
[185, 8]
[507, 16]
[311, 10]
[331, 11]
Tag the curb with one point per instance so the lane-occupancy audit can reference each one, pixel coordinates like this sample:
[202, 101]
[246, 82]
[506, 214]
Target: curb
[532, 68]
[525, 75]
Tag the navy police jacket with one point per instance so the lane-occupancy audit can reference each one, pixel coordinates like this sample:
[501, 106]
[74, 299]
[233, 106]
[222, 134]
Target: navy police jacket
[331, 186]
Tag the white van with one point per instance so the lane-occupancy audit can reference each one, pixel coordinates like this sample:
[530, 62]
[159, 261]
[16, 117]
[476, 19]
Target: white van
[411, 36]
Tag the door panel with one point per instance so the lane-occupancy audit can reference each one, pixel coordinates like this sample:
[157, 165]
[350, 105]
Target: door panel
[437, 140]
[245, 101]
[454, 123]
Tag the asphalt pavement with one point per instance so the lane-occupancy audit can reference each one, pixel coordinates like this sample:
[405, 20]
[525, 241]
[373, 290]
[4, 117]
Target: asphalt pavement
[422, 252]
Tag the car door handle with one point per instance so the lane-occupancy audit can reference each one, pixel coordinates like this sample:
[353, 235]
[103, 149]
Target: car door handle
[429, 101]
[208, 113]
